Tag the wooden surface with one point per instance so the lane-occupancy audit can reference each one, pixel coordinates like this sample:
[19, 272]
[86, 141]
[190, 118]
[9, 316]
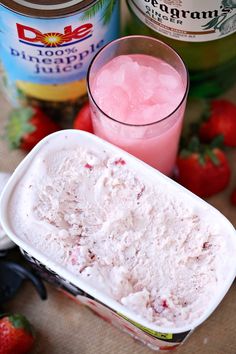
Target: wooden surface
[64, 327]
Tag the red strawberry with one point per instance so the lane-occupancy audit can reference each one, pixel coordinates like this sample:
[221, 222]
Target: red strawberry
[220, 120]
[83, 119]
[233, 197]
[16, 335]
[27, 126]
[203, 169]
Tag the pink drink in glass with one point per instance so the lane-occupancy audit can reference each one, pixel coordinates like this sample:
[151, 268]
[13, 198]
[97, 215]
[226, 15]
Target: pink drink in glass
[137, 104]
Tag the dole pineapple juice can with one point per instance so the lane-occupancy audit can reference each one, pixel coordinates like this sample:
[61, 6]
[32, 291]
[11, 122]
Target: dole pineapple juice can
[47, 46]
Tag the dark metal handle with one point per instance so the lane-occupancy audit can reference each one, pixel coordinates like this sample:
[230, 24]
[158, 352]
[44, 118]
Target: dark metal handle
[28, 275]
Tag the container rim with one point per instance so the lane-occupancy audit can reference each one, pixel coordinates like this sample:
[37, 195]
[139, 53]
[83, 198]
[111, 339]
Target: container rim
[38, 10]
[66, 274]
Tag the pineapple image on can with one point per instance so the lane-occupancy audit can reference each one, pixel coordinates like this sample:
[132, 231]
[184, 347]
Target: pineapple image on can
[45, 50]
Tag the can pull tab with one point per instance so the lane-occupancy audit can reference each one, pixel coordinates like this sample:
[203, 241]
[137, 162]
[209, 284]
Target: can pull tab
[12, 276]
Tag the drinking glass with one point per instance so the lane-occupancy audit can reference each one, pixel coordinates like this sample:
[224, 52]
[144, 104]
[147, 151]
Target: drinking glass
[155, 143]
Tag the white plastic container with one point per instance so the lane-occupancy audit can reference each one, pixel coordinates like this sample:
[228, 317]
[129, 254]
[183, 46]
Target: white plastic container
[5, 242]
[156, 337]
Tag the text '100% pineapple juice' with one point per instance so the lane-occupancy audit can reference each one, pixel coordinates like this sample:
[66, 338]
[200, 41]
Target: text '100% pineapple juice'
[46, 48]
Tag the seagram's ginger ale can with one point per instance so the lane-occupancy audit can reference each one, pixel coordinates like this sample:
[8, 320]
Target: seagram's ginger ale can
[203, 32]
[47, 46]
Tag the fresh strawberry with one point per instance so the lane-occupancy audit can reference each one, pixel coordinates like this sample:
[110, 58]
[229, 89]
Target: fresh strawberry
[203, 169]
[83, 119]
[16, 335]
[233, 197]
[27, 126]
[220, 119]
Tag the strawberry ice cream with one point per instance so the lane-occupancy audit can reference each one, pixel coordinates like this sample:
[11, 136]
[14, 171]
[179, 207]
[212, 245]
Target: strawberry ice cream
[140, 241]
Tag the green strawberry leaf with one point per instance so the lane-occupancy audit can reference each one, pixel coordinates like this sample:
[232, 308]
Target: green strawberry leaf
[194, 144]
[203, 150]
[185, 153]
[19, 125]
[217, 142]
[20, 321]
[201, 159]
[213, 157]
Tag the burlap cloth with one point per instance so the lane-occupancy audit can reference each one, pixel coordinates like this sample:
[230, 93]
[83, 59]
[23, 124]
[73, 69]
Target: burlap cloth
[64, 327]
